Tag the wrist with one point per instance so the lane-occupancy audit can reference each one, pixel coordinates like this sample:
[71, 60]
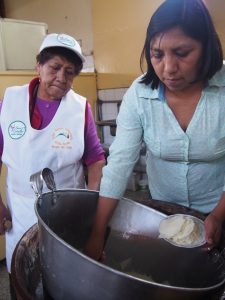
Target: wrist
[219, 219]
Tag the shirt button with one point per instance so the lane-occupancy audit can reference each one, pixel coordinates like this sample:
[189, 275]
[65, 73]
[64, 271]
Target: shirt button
[47, 106]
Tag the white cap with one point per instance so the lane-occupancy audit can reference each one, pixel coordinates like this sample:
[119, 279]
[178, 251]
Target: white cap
[62, 40]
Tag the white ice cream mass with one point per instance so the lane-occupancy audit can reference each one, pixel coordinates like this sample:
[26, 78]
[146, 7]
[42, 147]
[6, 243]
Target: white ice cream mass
[180, 229]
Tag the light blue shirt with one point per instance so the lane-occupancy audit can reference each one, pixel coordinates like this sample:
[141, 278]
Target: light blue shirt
[183, 167]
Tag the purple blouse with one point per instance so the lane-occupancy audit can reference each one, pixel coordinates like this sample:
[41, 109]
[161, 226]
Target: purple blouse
[93, 151]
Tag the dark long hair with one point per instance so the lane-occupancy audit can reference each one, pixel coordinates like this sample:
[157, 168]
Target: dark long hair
[194, 19]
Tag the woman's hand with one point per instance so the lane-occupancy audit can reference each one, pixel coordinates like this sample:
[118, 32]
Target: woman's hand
[95, 243]
[94, 247]
[213, 229]
[5, 218]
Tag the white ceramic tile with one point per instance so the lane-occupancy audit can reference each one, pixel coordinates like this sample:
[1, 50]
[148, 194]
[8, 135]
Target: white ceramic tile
[101, 94]
[110, 94]
[88, 64]
[104, 112]
[109, 111]
[119, 93]
[104, 94]
[109, 139]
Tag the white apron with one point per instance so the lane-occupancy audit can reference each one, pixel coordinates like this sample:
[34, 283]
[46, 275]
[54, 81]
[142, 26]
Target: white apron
[59, 146]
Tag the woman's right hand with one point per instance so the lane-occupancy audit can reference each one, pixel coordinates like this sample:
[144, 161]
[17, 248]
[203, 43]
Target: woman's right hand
[95, 244]
[213, 229]
[5, 218]
[94, 247]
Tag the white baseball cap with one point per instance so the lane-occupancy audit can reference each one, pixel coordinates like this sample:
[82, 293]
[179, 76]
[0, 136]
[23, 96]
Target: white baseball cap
[62, 40]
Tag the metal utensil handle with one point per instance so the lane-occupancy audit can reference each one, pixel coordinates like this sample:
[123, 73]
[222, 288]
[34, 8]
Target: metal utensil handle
[48, 178]
[36, 182]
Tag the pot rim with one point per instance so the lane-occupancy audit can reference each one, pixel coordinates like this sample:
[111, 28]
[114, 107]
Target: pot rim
[101, 265]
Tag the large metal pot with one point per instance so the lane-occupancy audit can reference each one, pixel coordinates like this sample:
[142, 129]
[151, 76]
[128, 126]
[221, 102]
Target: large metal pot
[65, 218]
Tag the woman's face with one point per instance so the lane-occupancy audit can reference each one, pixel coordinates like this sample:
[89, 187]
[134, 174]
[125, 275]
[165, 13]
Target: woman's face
[56, 78]
[176, 58]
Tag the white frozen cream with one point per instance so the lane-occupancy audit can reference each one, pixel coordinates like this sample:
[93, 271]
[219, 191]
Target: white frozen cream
[181, 229]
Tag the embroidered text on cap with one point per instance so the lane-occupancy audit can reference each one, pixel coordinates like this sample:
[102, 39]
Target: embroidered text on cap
[66, 40]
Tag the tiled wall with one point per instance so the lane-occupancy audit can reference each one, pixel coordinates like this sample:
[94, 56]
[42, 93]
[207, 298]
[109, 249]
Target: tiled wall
[109, 110]
[88, 64]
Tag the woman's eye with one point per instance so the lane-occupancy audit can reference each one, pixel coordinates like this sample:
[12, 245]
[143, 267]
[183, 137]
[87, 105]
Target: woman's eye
[156, 54]
[70, 73]
[181, 53]
[54, 68]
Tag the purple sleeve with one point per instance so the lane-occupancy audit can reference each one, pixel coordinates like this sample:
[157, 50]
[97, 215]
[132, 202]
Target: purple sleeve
[93, 151]
[1, 136]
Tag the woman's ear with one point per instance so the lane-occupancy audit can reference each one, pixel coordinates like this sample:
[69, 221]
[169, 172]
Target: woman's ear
[38, 68]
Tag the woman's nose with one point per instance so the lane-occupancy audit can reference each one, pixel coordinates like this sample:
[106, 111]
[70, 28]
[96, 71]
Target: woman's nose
[61, 75]
[170, 64]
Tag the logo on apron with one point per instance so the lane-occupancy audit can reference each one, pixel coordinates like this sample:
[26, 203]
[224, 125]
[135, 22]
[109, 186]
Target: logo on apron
[16, 130]
[62, 138]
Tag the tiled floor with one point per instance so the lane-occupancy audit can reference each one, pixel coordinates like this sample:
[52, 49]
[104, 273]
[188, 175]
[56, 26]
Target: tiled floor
[4, 281]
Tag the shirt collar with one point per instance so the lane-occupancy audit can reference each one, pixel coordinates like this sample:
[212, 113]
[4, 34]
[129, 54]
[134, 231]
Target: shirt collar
[147, 92]
[219, 78]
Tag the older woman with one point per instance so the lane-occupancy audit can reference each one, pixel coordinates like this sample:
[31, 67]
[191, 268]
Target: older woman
[46, 124]
[178, 108]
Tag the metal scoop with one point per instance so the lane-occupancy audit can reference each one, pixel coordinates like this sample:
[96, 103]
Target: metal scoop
[49, 180]
[36, 182]
[37, 179]
[48, 177]
[198, 240]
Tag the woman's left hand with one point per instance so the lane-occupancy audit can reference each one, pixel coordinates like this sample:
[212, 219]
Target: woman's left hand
[213, 229]
[5, 219]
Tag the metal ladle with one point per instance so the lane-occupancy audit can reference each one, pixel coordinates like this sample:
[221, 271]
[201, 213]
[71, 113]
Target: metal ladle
[48, 177]
[37, 179]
